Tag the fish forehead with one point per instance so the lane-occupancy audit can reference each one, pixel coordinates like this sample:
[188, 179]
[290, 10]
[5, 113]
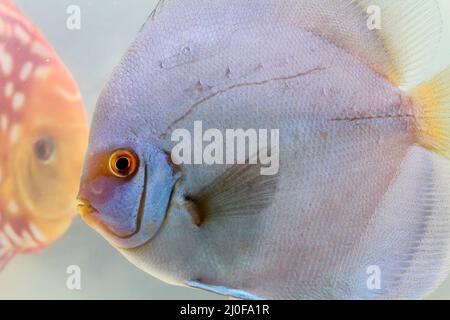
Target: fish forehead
[168, 68]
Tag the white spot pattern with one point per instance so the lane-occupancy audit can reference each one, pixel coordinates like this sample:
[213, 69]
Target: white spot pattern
[18, 100]
[24, 58]
[14, 133]
[3, 122]
[26, 71]
[9, 89]
[12, 235]
[21, 34]
[6, 63]
[37, 234]
[11, 241]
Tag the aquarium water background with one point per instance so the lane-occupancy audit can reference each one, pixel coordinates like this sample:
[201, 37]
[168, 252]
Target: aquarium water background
[107, 29]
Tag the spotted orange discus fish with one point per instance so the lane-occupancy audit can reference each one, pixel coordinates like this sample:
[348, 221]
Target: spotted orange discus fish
[43, 134]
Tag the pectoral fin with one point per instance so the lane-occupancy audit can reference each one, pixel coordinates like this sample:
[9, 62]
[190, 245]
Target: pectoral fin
[241, 190]
[222, 290]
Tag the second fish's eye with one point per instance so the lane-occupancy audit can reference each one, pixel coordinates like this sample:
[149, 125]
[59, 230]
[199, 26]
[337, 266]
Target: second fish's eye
[43, 149]
[123, 163]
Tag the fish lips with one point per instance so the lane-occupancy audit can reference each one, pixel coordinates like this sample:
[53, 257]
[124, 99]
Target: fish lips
[152, 211]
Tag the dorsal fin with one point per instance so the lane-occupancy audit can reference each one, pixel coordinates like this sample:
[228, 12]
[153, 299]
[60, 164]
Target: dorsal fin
[400, 49]
[410, 31]
[154, 13]
[341, 22]
[159, 6]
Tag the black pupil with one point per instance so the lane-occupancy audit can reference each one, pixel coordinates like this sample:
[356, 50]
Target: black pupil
[122, 163]
[43, 149]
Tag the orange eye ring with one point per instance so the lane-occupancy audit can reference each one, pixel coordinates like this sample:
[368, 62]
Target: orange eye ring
[123, 163]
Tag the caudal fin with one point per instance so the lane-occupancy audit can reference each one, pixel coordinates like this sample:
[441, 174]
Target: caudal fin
[432, 98]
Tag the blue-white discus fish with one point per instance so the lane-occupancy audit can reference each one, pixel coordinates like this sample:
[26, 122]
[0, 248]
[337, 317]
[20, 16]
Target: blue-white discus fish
[360, 206]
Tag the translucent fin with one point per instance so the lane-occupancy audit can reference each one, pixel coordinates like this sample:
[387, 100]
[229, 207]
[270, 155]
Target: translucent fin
[409, 238]
[343, 23]
[241, 190]
[432, 99]
[157, 9]
[155, 12]
[410, 31]
[399, 47]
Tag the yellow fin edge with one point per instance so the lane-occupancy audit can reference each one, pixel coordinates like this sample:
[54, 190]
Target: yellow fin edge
[432, 99]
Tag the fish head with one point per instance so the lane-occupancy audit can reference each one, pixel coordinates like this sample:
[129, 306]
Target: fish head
[126, 185]
[47, 157]
[43, 130]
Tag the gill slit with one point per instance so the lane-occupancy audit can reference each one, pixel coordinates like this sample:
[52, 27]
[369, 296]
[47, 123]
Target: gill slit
[140, 210]
[142, 203]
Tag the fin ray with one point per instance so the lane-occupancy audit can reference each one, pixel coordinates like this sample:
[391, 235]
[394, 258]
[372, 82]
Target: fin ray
[400, 50]
[432, 101]
[409, 234]
[410, 31]
[241, 190]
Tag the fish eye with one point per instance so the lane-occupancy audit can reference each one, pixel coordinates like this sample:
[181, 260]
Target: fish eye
[123, 163]
[43, 149]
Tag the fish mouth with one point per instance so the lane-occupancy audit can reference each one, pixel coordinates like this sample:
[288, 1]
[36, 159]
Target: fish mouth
[139, 236]
[84, 208]
[88, 213]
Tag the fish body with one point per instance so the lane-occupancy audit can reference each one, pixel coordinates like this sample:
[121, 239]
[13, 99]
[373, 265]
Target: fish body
[43, 136]
[363, 161]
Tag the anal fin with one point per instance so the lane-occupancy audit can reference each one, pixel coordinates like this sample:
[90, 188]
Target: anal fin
[222, 290]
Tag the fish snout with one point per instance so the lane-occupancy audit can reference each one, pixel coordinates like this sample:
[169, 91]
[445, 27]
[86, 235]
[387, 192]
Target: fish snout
[88, 213]
[111, 222]
[84, 208]
[110, 205]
